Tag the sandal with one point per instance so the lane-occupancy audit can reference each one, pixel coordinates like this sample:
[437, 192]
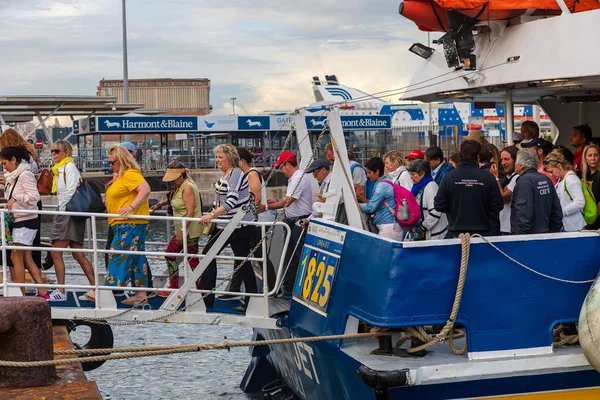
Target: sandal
[91, 296]
[132, 301]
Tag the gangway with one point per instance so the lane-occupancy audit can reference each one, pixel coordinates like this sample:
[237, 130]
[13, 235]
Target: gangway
[185, 304]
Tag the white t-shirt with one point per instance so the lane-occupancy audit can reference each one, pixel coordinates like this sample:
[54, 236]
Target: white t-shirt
[505, 213]
[302, 204]
[359, 176]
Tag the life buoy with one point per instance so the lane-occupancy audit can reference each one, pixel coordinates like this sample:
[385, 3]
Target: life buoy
[101, 337]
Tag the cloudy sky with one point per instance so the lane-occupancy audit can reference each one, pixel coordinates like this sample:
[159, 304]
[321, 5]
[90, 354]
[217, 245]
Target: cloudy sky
[264, 52]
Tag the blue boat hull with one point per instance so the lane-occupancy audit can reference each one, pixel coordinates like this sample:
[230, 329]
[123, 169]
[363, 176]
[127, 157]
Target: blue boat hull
[338, 376]
[508, 310]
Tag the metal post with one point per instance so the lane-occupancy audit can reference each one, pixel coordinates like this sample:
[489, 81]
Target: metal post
[233, 99]
[5, 263]
[125, 70]
[509, 117]
[265, 272]
[428, 140]
[95, 259]
[186, 267]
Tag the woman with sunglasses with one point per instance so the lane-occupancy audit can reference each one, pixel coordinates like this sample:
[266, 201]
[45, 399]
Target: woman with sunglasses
[127, 195]
[568, 189]
[66, 232]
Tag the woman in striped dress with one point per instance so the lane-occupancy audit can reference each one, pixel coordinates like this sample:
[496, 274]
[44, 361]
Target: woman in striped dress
[231, 193]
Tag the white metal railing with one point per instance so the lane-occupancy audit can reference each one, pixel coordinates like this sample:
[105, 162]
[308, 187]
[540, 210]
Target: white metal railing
[103, 291]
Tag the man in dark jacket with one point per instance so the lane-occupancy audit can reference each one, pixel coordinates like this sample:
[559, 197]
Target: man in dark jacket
[535, 207]
[439, 167]
[468, 195]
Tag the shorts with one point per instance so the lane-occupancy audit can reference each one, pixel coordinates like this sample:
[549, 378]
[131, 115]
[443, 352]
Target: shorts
[24, 232]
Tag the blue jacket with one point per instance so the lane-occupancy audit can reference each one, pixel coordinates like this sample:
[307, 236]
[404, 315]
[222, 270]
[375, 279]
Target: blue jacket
[445, 167]
[383, 192]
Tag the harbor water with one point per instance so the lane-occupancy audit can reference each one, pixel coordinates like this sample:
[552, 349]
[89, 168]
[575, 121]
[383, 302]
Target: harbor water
[204, 375]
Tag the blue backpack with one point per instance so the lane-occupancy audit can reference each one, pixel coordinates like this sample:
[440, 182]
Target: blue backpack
[370, 185]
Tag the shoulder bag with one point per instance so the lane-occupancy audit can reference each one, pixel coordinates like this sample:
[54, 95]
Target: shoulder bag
[86, 199]
[44, 183]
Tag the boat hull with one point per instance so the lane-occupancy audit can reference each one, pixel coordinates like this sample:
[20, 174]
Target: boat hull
[320, 371]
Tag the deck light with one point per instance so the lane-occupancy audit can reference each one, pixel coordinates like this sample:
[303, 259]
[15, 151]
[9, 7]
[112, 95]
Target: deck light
[421, 50]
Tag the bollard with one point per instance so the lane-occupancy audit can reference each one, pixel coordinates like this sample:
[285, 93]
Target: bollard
[25, 335]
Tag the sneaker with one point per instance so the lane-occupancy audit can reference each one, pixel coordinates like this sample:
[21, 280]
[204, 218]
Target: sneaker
[57, 295]
[230, 297]
[162, 294]
[44, 296]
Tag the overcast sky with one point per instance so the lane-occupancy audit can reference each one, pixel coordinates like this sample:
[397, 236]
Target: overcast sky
[264, 52]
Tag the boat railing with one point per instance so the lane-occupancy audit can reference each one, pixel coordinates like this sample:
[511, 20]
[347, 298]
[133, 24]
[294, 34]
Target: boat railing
[106, 305]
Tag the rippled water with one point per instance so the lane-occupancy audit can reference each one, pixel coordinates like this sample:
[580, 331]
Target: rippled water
[205, 375]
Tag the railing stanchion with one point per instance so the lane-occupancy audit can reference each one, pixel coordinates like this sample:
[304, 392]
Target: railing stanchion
[95, 258]
[5, 261]
[186, 267]
[265, 269]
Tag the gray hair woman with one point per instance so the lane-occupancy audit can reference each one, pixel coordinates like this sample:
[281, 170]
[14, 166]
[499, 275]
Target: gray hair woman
[231, 193]
[433, 224]
[66, 232]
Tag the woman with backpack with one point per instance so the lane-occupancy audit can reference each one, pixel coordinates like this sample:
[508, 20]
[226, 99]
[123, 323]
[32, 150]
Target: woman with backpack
[568, 189]
[382, 202]
[432, 224]
[590, 170]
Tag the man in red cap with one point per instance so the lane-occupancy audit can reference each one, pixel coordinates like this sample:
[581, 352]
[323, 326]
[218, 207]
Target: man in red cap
[416, 154]
[297, 204]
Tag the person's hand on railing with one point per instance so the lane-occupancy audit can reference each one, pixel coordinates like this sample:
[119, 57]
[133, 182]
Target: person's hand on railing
[10, 204]
[155, 207]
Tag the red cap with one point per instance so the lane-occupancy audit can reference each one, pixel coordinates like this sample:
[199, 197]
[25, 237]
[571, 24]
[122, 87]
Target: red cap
[416, 154]
[285, 156]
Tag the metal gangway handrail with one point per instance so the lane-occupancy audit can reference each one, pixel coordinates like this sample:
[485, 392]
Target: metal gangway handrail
[106, 306]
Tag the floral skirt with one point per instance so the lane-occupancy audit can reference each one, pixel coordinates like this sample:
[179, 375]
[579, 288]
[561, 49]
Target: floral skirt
[125, 268]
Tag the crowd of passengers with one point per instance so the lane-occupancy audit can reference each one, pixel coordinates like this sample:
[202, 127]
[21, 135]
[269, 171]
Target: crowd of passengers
[526, 188]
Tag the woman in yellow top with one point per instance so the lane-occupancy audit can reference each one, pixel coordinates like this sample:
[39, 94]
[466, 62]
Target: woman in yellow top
[186, 202]
[128, 195]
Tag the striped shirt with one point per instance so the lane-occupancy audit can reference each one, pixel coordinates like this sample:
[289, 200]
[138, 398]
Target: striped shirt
[232, 192]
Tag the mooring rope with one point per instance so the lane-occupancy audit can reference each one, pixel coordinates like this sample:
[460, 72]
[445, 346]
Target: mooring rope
[136, 352]
[448, 329]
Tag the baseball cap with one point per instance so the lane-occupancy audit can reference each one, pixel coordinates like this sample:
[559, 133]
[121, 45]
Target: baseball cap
[537, 142]
[317, 165]
[130, 147]
[285, 156]
[416, 154]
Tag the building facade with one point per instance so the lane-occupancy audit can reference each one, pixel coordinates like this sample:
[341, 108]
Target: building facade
[177, 96]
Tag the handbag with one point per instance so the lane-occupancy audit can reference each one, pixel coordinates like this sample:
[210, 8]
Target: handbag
[44, 183]
[86, 199]
[9, 218]
[211, 227]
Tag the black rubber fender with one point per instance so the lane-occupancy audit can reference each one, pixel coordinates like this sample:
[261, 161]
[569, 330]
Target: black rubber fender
[101, 337]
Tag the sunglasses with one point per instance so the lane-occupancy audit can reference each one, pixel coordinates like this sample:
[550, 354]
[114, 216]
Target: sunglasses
[112, 162]
[55, 151]
[547, 162]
